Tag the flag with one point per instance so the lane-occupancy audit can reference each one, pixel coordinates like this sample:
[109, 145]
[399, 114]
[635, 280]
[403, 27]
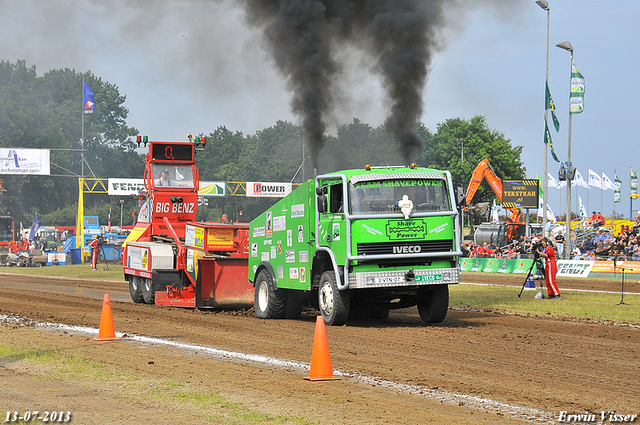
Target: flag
[576, 101]
[109, 221]
[633, 182]
[583, 212]
[34, 228]
[551, 181]
[618, 187]
[494, 212]
[21, 231]
[547, 140]
[548, 104]
[594, 179]
[579, 181]
[550, 214]
[607, 183]
[88, 105]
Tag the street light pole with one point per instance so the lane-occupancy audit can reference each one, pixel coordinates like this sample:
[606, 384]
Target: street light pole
[567, 243]
[461, 141]
[121, 211]
[545, 180]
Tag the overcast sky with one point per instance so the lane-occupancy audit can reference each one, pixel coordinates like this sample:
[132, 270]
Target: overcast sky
[191, 66]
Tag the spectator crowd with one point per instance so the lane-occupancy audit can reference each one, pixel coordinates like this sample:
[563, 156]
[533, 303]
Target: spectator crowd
[594, 242]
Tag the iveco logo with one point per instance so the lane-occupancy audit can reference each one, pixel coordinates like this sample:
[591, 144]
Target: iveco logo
[406, 249]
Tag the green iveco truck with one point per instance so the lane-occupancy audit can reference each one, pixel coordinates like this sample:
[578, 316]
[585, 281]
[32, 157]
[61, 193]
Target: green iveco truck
[360, 242]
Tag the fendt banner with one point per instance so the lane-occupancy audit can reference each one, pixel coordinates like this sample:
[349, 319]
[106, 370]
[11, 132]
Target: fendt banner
[126, 187]
[25, 161]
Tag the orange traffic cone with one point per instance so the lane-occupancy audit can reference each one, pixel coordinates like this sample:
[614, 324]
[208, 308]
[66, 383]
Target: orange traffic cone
[106, 331]
[321, 369]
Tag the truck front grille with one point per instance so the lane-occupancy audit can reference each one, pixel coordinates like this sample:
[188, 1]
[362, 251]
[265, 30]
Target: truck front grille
[405, 247]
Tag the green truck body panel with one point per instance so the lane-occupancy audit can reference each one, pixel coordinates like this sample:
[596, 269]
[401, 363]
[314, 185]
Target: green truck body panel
[364, 235]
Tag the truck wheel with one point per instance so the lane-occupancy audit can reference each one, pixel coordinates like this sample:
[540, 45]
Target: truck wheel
[269, 301]
[333, 303]
[434, 304]
[135, 289]
[148, 293]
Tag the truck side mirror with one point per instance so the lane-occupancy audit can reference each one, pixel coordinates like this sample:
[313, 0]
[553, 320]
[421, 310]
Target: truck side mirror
[322, 203]
[460, 195]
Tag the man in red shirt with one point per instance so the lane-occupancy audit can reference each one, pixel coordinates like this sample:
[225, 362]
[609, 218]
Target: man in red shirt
[550, 269]
[25, 245]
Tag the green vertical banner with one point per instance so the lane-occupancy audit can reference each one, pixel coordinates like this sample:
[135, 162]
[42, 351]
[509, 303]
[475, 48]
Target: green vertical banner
[491, 265]
[617, 185]
[633, 181]
[522, 266]
[466, 264]
[548, 141]
[506, 265]
[576, 101]
[548, 104]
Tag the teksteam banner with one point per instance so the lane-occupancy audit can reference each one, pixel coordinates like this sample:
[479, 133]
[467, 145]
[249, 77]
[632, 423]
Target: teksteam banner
[268, 190]
[25, 161]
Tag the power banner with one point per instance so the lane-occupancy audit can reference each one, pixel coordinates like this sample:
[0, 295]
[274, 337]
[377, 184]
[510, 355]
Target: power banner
[268, 190]
[25, 161]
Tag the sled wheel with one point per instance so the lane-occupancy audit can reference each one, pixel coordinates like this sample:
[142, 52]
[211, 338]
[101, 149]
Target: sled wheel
[148, 292]
[135, 289]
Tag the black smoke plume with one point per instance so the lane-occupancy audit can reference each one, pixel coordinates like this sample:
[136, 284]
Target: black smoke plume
[304, 35]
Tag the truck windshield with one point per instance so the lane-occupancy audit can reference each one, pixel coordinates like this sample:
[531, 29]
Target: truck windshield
[172, 175]
[374, 197]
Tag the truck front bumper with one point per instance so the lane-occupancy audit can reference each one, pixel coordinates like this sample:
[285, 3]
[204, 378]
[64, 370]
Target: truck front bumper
[396, 278]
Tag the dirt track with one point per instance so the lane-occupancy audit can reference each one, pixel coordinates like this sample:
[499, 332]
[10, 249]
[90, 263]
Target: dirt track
[534, 367]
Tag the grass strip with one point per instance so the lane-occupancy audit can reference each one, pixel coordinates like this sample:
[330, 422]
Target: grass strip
[190, 400]
[588, 305]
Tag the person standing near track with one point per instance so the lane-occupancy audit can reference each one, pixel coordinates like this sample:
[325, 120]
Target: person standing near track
[550, 269]
[95, 246]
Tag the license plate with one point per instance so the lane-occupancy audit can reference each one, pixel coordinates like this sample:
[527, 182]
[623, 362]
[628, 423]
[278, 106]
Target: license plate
[428, 277]
[392, 279]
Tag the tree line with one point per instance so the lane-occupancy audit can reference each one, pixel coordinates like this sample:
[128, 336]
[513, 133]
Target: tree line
[44, 112]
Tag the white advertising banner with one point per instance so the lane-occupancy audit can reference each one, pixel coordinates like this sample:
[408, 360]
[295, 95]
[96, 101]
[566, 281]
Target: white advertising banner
[574, 268]
[126, 187]
[25, 161]
[268, 190]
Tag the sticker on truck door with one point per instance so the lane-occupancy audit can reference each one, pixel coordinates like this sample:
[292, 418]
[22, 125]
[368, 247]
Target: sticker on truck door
[335, 234]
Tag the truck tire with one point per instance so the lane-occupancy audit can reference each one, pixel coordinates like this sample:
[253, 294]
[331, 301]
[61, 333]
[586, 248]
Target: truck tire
[148, 292]
[269, 301]
[434, 304]
[135, 289]
[333, 303]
